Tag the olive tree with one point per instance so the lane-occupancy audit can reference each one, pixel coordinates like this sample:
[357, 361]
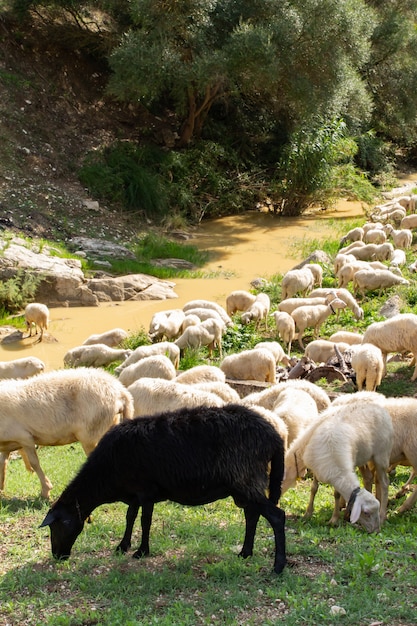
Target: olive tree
[297, 58]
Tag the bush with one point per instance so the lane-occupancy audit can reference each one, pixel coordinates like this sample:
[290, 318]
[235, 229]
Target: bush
[304, 172]
[16, 292]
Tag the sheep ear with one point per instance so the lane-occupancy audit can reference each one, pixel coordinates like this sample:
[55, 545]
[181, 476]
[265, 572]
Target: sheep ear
[356, 512]
[50, 517]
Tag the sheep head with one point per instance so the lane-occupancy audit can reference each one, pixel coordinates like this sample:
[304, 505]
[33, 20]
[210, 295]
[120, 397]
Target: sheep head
[364, 508]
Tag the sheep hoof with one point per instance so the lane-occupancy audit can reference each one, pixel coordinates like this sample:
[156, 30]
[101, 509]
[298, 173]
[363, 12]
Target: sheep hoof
[123, 547]
[140, 553]
[244, 554]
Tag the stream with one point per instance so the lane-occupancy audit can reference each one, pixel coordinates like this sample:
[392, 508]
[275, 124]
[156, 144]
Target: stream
[241, 247]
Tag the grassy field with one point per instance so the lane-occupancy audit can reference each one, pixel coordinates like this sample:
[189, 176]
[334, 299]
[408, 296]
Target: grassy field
[193, 575]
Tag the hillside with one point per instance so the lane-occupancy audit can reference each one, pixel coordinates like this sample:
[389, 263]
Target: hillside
[53, 111]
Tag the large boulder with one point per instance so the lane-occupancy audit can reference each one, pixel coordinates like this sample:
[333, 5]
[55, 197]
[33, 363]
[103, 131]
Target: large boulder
[63, 282]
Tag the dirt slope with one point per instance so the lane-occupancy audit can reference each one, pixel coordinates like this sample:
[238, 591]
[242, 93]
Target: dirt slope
[53, 111]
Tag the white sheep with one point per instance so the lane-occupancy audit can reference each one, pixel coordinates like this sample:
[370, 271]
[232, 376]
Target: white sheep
[154, 395]
[297, 409]
[384, 251]
[203, 314]
[163, 347]
[297, 281]
[276, 349]
[258, 311]
[342, 294]
[268, 397]
[368, 364]
[340, 261]
[409, 221]
[219, 388]
[58, 408]
[94, 355]
[111, 338]
[370, 280]
[314, 316]
[346, 273]
[366, 252]
[208, 304]
[250, 365]
[207, 333]
[201, 374]
[371, 225]
[190, 320]
[285, 326]
[21, 368]
[403, 412]
[341, 439]
[346, 336]
[317, 272]
[396, 334]
[321, 350]
[352, 246]
[401, 238]
[398, 258]
[155, 366]
[166, 324]
[396, 215]
[37, 315]
[355, 234]
[375, 235]
[290, 304]
[239, 300]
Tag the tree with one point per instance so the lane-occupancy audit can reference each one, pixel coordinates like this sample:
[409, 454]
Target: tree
[391, 72]
[302, 58]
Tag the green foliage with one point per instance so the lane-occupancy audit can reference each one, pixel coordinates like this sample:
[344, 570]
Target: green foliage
[16, 292]
[154, 246]
[304, 173]
[125, 174]
[240, 337]
[203, 181]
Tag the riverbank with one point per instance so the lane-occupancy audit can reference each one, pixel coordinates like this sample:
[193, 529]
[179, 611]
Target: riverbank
[241, 248]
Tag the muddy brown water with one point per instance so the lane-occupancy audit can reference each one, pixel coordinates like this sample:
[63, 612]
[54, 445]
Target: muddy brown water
[242, 248]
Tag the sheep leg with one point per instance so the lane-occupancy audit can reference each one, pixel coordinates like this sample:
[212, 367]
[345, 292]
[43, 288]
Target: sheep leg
[334, 520]
[313, 491]
[276, 517]
[252, 515]
[367, 477]
[131, 515]
[406, 506]
[34, 462]
[381, 491]
[4, 458]
[406, 486]
[414, 376]
[25, 460]
[146, 521]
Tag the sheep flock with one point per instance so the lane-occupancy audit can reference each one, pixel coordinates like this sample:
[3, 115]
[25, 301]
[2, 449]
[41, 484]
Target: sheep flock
[349, 440]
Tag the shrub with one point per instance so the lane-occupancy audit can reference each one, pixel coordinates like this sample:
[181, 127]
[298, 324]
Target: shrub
[16, 292]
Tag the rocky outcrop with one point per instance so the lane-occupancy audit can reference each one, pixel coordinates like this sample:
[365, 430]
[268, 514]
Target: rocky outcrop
[63, 282]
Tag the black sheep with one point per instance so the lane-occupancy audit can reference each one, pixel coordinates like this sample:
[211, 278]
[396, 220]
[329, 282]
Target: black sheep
[191, 456]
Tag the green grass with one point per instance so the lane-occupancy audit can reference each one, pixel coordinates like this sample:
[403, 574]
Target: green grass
[193, 575]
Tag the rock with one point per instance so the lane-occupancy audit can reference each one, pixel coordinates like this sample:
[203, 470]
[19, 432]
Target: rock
[100, 248]
[179, 264]
[64, 284]
[318, 256]
[391, 307]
